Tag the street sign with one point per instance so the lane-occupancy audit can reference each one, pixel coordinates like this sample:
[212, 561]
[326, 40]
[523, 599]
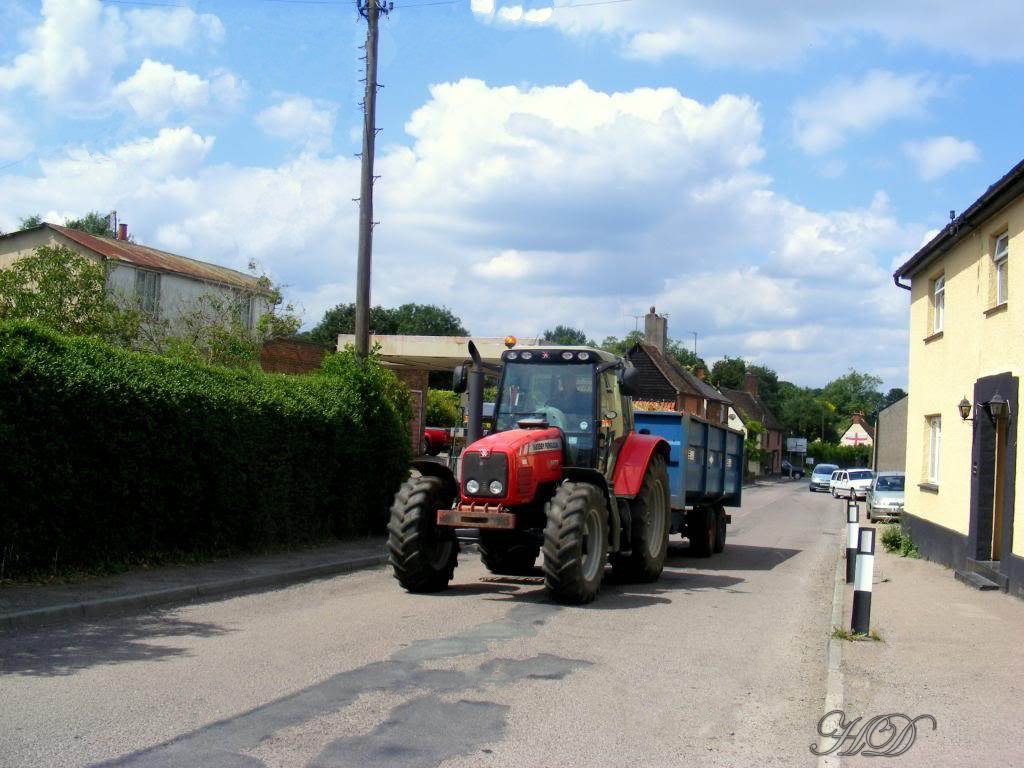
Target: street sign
[796, 444]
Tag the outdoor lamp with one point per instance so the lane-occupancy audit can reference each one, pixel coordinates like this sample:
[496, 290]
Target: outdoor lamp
[965, 409]
[997, 407]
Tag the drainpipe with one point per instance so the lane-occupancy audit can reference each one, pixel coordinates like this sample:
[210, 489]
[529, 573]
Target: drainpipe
[898, 284]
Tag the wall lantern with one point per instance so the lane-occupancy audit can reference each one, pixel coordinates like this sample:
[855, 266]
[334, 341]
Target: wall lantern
[997, 407]
[965, 409]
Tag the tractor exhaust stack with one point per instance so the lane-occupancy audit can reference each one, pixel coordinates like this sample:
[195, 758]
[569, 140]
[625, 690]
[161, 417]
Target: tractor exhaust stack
[474, 429]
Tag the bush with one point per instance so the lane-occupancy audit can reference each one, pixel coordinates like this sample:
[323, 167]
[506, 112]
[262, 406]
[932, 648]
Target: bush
[114, 456]
[843, 455]
[896, 541]
[443, 408]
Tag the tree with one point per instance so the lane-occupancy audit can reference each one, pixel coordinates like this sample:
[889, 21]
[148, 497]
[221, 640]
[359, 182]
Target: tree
[408, 319]
[28, 222]
[621, 346]
[854, 392]
[94, 222]
[56, 287]
[894, 395]
[767, 386]
[564, 335]
[729, 372]
[684, 357]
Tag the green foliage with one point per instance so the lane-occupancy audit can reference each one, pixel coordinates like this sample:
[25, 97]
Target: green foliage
[621, 346]
[684, 357]
[67, 292]
[564, 335]
[443, 409]
[842, 455]
[894, 395]
[114, 456]
[94, 222]
[29, 222]
[408, 319]
[854, 392]
[729, 372]
[897, 541]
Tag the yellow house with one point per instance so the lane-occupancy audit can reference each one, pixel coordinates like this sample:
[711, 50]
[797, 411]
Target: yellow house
[966, 357]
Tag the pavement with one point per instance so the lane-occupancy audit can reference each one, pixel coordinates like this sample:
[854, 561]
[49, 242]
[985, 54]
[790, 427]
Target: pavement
[948, 651]
[37, 605]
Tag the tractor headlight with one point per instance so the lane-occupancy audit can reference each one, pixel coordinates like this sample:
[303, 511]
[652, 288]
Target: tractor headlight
[496, 488]
[472, 486]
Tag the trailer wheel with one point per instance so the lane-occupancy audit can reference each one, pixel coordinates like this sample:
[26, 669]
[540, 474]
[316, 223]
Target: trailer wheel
[508, 554]
[721, 529]
[423, 555]
[652, 516]
[575, 543]
[700, 529]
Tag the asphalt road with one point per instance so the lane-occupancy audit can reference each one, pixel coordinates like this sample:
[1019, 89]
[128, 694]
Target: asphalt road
[722, 662]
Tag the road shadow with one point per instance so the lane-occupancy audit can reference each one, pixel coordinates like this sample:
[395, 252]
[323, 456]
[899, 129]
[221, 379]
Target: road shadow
[735, 557]
[64, 650]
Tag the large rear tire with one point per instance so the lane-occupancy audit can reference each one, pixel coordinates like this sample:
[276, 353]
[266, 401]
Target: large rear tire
[651, 513]
[508, 554]
[423, 554]
[700, 528]
[575, 543]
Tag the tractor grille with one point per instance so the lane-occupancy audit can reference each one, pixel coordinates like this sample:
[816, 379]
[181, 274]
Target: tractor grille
[484, 470]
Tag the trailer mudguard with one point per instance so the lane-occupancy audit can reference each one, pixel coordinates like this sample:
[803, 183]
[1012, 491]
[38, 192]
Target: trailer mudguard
[631, 464]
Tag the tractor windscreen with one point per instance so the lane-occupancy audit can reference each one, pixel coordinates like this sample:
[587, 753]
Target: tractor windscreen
[561, 393]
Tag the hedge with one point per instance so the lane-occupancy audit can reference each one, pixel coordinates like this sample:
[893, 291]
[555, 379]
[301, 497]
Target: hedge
[112, 456]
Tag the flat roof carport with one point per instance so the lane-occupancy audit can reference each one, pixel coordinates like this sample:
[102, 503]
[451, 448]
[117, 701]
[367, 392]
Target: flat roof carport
[433, 353]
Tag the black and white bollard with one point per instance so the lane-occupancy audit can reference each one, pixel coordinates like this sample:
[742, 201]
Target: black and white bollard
[860, 623]
[852, 518]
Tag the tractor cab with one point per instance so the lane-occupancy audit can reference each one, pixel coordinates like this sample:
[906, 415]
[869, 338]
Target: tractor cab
[576, 390]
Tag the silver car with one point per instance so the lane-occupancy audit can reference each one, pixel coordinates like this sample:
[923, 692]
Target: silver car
[885, 496]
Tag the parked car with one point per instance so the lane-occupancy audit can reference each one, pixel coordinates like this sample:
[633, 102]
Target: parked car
[853, 483]
[820, 476]
[885, 497]
[789, 470]
[833, 480]
[436, 439]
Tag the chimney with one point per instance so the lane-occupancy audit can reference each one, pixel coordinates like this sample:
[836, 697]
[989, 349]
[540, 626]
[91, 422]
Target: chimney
[701, 374]
[655, 330]
[750, 384]
[122, 231]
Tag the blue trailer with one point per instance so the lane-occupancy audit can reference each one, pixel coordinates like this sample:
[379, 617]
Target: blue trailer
[705, 470]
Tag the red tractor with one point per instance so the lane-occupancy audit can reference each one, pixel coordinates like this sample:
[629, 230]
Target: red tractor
[561, 473]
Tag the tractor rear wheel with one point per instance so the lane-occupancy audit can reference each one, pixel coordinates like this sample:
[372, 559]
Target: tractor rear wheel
[423, 554]
[508, 554]
[700, 528]
[575, 543]
[651, 516]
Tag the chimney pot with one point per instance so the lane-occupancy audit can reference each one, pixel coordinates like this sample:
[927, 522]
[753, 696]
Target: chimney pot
[122, 231]
[750, 384]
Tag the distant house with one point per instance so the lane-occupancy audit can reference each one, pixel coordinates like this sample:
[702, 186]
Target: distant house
[890, 454]
[858, 433]
[165, 285]
[667, 386]
[747, 406]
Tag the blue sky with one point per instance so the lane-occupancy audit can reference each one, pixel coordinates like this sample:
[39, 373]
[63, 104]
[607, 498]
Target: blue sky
[753, 169]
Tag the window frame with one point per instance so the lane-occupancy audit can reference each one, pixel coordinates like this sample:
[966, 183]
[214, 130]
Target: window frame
[938, 291]
[1001, 265]
[149, 300]
[934, 448]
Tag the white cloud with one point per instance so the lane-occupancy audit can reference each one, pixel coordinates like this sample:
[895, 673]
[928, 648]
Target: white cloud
[522, 208]
[939, 155]
[70, 58]
[301, 120]
[824, 121]
[156, 90]
[752, 33]
[15, 141]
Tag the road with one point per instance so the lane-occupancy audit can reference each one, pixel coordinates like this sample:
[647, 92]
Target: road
[722, 662]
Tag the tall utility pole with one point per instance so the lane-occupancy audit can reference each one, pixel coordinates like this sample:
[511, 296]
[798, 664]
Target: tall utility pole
[370, 10]
[694, 343]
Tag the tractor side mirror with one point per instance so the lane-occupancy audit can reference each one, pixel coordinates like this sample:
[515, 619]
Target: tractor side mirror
[459, 379]
[629, 382]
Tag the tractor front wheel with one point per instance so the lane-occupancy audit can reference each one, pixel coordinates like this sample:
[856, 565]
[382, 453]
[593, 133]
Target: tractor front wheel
[423, 554]
[508, 554]
[575, 543]
[652, 516]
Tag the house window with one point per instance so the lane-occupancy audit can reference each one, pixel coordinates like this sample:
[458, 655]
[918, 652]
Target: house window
[245, 309]
[147, 289]
[934, 447]
[1001, 259]
[938, 303]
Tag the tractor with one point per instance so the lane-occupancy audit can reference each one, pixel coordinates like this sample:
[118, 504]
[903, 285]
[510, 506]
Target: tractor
[562, 473]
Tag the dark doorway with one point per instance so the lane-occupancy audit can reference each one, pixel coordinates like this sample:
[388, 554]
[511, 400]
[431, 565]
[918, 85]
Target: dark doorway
[993, 470]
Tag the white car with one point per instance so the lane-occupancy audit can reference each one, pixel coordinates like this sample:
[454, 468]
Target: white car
[833, 480]
[853, 483]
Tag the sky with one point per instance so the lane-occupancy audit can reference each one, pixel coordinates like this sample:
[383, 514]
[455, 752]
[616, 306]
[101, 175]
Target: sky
[755, 170]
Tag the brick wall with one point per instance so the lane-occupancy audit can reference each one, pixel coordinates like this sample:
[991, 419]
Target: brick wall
[416, 381]
[291, 356]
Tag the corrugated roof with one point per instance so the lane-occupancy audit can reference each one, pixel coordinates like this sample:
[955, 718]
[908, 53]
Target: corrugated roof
[150, 258]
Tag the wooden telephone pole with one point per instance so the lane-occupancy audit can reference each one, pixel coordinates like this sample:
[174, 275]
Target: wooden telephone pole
[369, 10]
